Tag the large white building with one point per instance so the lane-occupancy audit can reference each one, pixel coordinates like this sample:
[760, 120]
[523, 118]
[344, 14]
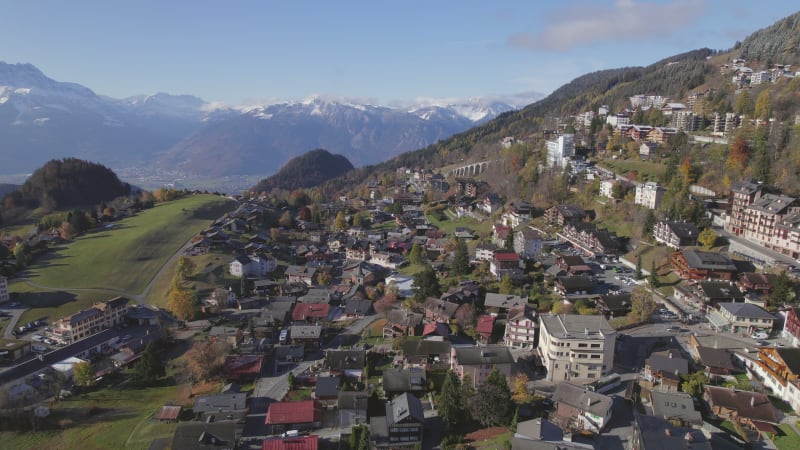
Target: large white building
[560, 150]
[4, 294]
[649, 195]
[576, 346]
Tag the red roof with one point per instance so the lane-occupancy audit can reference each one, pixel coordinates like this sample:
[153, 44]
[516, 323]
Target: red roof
[239, 365]
[485, 324]
[506, 256]
[435, 328]
[303, 311]
[168, 413]
[292, 443]
[289, 413]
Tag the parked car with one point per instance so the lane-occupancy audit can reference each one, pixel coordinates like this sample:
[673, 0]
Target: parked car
[759, 335]
[37, 337]
[39, 348]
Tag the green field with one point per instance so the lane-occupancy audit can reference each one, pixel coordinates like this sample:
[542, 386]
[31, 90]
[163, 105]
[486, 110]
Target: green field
[121, 260]
[449, 223]
[647, 170]
[789, 439]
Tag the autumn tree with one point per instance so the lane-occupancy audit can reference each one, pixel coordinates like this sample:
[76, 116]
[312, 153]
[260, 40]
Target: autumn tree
[286, 220]
[465, 315]
[83, 374]
[340, 223]
[763, 105]
[642, 304]
[186, 267]
[181, 303]
[506, 286]
[205, 359]
[520, 394]
[738, 154]
[707, 238]
[386, 303]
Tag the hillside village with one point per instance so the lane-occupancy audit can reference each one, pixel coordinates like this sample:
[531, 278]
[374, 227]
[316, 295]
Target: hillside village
[435, 305]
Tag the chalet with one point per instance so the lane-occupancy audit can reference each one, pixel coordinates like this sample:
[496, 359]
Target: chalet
[754, 282]
[715, 292]
[541, 434]
[427, 353]
[675, 234]
[499, 237]
[504, 263]
[401, 322]
[701, 265]
[301, 274]
[647, 150]
[438, 310]
[564, 214]
[349, 363]
[666, 368]
[358, 307]
[580, 409]
[718, 362]
[358, 250]
[677, 406]
[311, 312]
[401, 427]
[287, 356]
[291, 443]
[746, 407]
[221, 407]
[503, 302]
[521, 328]
[352, 406]
[591, 240]
[614, 305]
[485, 251]
[518, 213]
[326, 391]
[655, 433]
[205, 435]
[401, 381]
[306, 335]
[491, 203]
[779, 370]
[743, 318]
[527, 242]
[243, 368]
[484, 328]
[573, 285]
[302, 415]
[574, 265]
[478, 362]
[661, 135]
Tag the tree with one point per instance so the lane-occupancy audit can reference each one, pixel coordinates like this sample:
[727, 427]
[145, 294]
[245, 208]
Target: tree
[181, 303]
[521, 394]
[415, 255]
[763, 108]
[340, 223]
[426, 285]
[358, 221]
[506, 286]
[617, 191]
[186, 267]
[83, 374]
[638, 273]
[452, 403]
[461, 258]
[205, 359]
[707, 238]
[23, 254]
[465, 315]
[491, 405]
[149, 368]
[642, 304]
[286, 220]
[290, 380]
[653, 277]
[693, 383]
[508, 243]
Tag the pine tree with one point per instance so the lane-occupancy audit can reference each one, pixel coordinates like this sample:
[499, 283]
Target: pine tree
[149, 368]
[461, 258]
[452, 403]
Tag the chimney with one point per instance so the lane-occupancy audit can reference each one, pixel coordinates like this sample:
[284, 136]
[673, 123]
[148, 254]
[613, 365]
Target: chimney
[752, 401]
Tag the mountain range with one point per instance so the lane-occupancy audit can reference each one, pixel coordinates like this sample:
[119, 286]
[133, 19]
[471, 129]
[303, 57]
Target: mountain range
[43, 119]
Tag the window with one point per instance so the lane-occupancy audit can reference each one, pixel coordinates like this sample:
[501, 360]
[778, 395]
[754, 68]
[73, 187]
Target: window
[595, 356]
[595, 345]
[582, 345]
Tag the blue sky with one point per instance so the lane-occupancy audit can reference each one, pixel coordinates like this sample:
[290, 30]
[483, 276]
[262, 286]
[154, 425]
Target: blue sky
[382, 51]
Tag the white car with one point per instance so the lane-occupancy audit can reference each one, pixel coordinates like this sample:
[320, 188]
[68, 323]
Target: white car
[37, 337]
[759, 335]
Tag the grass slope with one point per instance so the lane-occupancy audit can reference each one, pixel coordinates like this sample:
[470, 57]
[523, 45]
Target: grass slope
[123, 259]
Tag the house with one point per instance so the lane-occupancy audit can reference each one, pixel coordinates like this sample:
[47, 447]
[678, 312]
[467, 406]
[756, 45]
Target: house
[284, 356]
[503, 302]
[491, 203]
[702, 265]
[573, 285]
[527, 242]
[759, 283]
[349, 363]
[504, 263]
[657, 433]
[400, 381]
[522, 327]
[87, 322]
[310, 312]
[665, 369]
[358, 307]
[779, 370]
[715, 292]
[541, 434]
[614, 305]
[306, 335]
[744, 318]
[649, 195]
[352, 407]
[301, 274]
[675, 234]
[243, 368]
[402, 322]
[478, 362]
[675, 406]
[718, 362]
[291, 443]
[206, 435]
[591, 240]
[168, 414]
[791, 326]
[648, 149]
[5, 295]
[499, 238]
[221, 407]
[401, 427]
[430, 354]
[518, 213]
[302, 415]
[580, 409]
[574, 265]
[563, 214]
[255, 266]
[484, 328]
[575, 346]
[746, 407]
[327, 391]
[437, 310]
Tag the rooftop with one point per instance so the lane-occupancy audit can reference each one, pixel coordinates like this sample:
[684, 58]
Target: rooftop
[576, 326]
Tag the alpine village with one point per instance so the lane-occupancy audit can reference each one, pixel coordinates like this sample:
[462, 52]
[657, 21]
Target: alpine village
[614, 266]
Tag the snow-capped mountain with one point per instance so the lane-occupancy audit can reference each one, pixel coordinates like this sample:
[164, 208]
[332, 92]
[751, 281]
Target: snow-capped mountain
[42, 119]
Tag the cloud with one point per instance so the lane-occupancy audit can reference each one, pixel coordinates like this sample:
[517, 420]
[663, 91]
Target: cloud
[586, 23]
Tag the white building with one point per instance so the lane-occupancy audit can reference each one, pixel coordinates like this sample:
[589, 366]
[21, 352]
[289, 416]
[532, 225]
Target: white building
[606, 188]
[649, 195]
[256, 266]
[576, 347]
[4, 294]
[560, 150]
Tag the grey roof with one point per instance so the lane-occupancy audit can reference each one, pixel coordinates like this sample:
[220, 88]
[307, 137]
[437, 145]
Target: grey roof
[305, 331]
[674, 405]
[580, 398]
[748, 310]
[404, 380]
[539, 429]
[404, 407]
[718, 358]
[491, 354]
[403, 316]
[577, 326]
[708, 260]
[668, 362]
[413, 347]
[327, 387]
[721, 290]
[353, 400]
[772, 203]
[220, 403]
[345, 359]
[520, 443]
[656, 433]
[683, 229]
[504, 300]
[358, 306]
[205, 435]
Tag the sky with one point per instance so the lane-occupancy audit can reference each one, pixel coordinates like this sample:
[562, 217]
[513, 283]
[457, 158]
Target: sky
[378, 51]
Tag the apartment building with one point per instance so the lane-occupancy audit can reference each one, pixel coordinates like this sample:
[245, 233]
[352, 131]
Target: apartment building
[478, 362]
[649, 195]
[575, 346]
[761, 217]
[560, 150]
[675, 234]
[87, 322]
[521, 326]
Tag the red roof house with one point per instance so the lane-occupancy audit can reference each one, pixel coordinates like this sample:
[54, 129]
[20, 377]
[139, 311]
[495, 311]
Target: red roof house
[485, 327]
[295, 415]
[243, 367]
[292, 443]
[310, 312]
